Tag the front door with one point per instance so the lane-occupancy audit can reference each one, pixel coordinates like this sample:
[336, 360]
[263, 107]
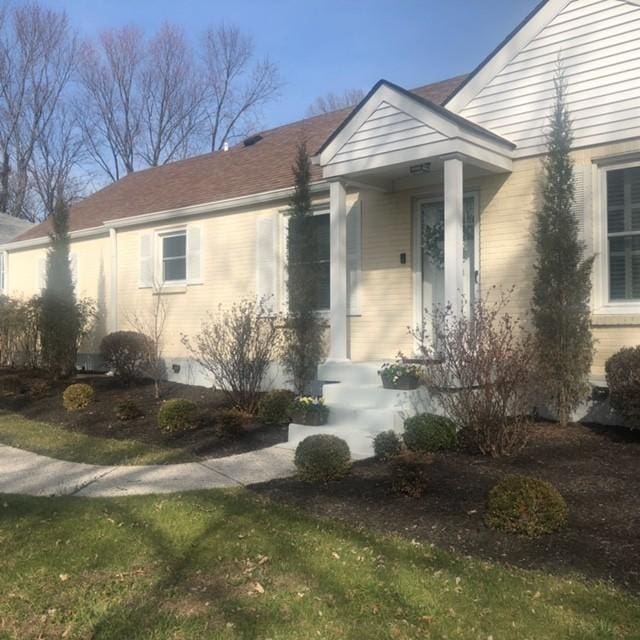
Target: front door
[429, 285]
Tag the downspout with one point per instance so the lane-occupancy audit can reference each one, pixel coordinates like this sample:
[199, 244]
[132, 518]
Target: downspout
[113, 303]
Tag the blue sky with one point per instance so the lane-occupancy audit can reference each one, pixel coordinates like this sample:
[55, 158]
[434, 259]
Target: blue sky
[332, 45]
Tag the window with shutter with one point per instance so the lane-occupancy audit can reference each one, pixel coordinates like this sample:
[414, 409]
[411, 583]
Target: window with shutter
[266, 284]
[42, 273]
[623, 233]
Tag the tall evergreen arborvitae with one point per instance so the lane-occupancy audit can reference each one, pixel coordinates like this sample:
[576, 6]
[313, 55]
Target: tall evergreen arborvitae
[562, 282]
[304, 345]
[60, 321]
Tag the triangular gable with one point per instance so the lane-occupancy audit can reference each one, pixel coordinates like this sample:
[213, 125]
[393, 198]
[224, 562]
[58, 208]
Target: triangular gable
[596, 43]
[390, 121]
[519, 38]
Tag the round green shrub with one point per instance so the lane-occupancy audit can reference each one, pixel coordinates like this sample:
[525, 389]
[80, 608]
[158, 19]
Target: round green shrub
[127, 353]
[386, 445]
[410, 473]
[77, 396]
[623, 379]
[274, 407]
[524, 505]
[322, 457]
[231, 423]
[177, 415]
[429, 432]
[128, 410]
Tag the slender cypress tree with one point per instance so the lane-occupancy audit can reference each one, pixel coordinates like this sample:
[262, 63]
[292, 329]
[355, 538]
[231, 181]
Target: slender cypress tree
[60, 321]
[562, 281]
[304, 345]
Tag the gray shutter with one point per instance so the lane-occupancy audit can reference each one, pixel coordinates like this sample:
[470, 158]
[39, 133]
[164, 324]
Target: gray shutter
[73, 266]
[146, 260]
[354, 257]
[266, 262]
[42, 273]
[579, 208]
[3, 271]
[194, 254]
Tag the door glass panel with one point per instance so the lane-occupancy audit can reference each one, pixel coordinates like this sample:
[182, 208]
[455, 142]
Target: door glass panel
[432, 228]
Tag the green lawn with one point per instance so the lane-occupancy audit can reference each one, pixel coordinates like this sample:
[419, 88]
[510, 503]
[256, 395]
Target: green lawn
[56, 441]
[228, 565]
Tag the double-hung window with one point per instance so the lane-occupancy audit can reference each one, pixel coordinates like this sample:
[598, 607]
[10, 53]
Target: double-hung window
[317, 252]
[174, 257]
[623, 233]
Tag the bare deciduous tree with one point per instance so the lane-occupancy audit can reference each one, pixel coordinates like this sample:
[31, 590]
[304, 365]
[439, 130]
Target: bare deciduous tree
[110, 74]
[335, 101]
[172, 99]
[151, 323]
[37, 57]
[55, 167]
[238, 84]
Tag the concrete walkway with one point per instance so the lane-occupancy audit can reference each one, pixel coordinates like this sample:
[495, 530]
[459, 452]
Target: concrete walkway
[26, 473]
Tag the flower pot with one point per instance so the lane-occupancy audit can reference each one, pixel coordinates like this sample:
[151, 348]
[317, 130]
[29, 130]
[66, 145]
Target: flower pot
[309, 418]
[403, 383]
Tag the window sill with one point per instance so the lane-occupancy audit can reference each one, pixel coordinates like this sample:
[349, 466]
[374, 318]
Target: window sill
[616, 314]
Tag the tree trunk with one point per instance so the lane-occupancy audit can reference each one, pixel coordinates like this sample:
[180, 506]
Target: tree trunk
[4, 182]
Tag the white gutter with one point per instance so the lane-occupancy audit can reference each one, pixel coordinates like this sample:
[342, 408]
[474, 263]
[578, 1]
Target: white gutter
[44, 240]
[170, 214]
[211, 207]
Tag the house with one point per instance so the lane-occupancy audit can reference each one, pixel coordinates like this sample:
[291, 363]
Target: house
[10, 228]
[456, 161]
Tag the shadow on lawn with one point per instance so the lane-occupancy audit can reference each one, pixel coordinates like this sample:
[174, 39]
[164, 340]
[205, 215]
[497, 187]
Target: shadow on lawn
[222, 596]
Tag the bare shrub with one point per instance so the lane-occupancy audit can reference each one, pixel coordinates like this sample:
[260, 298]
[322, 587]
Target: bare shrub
[484, 373]
[236, 346]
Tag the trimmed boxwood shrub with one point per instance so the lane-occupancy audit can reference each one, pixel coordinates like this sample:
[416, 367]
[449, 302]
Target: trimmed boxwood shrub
[11, 385]
[623, 380]
[386, 445]
[231, 423]
[177, 415]
[128, 410]
[322, 457]
[127, 353]
[274, 406]
[525, 505]
[77, 396]
[429, 432]
[410, 473]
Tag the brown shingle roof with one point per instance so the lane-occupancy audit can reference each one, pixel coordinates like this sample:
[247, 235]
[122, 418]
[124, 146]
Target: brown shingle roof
[240, 171]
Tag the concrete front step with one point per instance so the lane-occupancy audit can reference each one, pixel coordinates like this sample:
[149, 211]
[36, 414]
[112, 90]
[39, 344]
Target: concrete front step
[354, 373]
[366, 396]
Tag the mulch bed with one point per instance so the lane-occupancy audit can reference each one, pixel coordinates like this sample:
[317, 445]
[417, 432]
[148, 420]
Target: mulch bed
[100, 419]
[596, 469]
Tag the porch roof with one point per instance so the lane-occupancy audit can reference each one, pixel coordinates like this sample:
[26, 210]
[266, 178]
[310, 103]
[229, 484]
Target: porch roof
[392, 126]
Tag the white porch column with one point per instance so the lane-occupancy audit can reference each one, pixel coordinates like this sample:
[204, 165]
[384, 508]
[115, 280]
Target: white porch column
[338, 230]
[453, 232]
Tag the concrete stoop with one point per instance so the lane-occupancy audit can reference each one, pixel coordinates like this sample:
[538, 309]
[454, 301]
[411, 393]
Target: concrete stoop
[359, 407]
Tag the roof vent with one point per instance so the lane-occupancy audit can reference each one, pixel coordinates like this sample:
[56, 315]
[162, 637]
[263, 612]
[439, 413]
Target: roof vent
[251, 140]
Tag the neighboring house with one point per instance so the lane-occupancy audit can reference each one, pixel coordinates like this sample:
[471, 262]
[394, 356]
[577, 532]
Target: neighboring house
[10, 228]
[457, 161]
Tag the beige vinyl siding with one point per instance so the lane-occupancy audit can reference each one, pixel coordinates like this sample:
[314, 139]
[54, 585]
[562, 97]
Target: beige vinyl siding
[93, 259]
[386, 129]
[597, 41]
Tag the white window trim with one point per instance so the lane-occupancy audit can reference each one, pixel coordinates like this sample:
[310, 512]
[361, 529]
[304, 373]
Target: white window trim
[284, 232]
[161, 234]
[602, 305]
